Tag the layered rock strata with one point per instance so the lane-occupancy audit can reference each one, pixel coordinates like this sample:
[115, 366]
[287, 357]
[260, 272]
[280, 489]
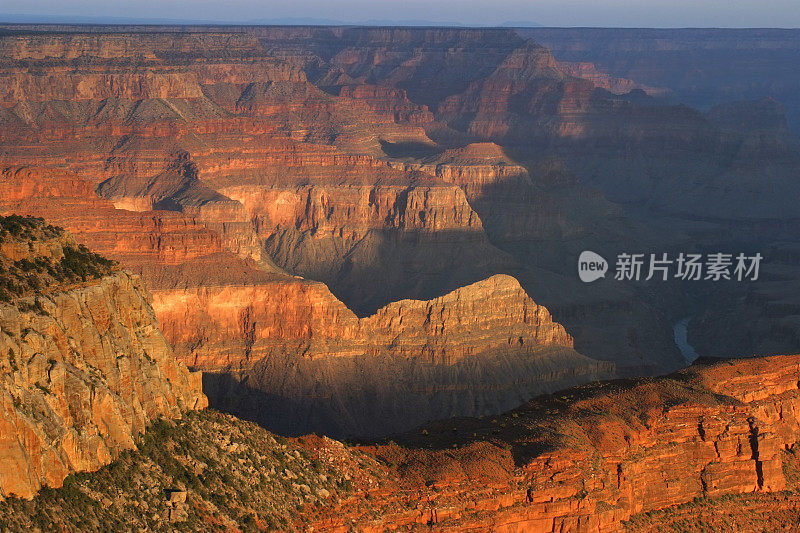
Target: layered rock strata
[84, 368]
[310, 363]
[588, 459]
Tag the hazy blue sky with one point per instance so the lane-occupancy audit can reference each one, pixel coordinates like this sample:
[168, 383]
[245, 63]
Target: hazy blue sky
[641, 13]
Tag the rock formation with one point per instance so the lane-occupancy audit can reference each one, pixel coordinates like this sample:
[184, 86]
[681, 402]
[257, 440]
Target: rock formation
[433, 188]
[295, 359]
[84, 367]
[589, 458]
[613, 84]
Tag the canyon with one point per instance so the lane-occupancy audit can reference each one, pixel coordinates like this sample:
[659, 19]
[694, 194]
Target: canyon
[371, 233]
[219, 177]
[224, 163]
[268, 341]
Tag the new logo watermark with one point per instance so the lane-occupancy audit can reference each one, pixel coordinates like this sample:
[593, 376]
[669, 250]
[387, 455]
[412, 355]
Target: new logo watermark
[691, 267]
[591, 266]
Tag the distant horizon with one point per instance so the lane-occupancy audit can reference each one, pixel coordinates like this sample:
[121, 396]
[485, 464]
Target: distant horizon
[642, 14]
[12, 19]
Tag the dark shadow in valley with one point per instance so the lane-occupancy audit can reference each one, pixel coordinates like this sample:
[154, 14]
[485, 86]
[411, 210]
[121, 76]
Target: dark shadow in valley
[373, 395]
[416, 150]
[387, 265]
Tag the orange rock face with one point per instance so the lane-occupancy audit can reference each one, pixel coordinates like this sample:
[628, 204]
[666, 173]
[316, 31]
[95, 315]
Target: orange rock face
[442, 330]
[276, 332]
[270, 346]
[589, 458]
[161, 237]
[388, 100]
[84, 370]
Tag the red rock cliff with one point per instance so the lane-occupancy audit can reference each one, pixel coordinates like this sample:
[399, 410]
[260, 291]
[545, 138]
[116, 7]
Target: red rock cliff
[587, 459]
[291, 356]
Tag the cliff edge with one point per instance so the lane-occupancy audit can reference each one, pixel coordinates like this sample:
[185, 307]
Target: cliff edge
[83, 365]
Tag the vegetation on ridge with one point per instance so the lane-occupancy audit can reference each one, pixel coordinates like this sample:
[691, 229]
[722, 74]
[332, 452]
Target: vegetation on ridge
[33, 274]
[206, 472]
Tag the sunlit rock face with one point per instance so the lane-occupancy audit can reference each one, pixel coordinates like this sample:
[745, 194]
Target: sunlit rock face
[297, 360]
[85, 367]
[589, 458]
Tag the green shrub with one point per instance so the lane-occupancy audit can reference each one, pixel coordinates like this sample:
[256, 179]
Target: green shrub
[12, 360]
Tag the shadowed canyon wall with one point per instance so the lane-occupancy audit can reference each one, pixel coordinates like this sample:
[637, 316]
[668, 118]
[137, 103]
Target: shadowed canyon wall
[700, 67]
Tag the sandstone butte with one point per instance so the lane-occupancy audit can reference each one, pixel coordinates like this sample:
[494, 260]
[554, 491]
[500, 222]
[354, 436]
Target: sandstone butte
[84, 368]
[592, 456]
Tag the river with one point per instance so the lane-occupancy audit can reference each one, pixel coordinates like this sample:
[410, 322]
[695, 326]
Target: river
[681, 332]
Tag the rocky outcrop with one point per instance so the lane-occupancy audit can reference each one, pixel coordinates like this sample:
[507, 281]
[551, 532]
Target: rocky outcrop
[388, 100]
[589, 458]
[442, 330]
[84, 368]
[460, 323]
[527, 82]
[136, 239]
[426, 233]
[292, 357]
[327, 215]
[475, 168]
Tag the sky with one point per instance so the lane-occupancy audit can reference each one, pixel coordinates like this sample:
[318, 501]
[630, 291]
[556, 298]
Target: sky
[599, 13]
